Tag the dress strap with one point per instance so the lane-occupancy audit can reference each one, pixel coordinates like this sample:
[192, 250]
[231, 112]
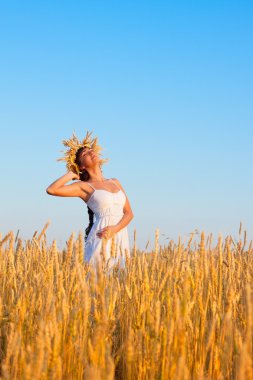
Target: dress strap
[91, 186]
[115, 184]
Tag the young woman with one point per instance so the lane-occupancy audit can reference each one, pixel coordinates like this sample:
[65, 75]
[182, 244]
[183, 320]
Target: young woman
[105, 198]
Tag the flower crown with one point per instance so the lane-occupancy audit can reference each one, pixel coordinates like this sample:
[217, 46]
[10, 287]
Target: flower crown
[74, 144]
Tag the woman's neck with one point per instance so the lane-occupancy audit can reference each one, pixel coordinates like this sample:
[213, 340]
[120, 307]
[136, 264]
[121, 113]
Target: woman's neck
[96, 175]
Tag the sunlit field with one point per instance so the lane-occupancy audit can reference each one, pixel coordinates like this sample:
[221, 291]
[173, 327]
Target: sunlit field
[181, 311]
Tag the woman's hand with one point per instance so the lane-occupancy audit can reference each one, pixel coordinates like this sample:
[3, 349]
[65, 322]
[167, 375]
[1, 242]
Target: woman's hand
[74, 175]
[107, 232]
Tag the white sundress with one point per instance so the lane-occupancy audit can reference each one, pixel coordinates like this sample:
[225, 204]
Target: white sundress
[108, 210]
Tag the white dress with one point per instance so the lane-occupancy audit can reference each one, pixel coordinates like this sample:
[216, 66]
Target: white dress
[108, 210]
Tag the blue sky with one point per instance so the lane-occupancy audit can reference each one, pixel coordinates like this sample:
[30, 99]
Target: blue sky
[167, 88]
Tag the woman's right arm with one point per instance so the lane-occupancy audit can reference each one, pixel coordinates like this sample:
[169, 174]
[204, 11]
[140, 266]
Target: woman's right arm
[59, 188]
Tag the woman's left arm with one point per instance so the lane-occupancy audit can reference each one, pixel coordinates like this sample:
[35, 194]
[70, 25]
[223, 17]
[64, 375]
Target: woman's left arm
[128, 213]
[124, 221]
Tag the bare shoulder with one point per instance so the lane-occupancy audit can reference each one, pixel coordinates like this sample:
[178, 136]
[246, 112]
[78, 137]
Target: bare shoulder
[119, 185]
[127, 206]
[118, 182]
[84, 185]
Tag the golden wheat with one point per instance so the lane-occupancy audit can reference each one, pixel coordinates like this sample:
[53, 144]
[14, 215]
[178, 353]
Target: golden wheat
[181, 311]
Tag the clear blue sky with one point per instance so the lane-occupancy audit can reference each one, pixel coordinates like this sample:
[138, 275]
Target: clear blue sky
[167, 88]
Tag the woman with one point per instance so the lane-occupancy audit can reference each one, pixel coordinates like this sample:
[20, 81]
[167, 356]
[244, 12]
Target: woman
[105, 198]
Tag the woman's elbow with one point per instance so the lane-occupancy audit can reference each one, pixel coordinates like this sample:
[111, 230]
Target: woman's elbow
[49, 190]
[129, 213]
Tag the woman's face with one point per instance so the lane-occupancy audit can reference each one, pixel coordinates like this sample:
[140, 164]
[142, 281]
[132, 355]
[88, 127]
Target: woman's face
[88, 157]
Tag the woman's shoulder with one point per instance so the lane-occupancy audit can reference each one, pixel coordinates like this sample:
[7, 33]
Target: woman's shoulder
[115, 179]
[86, 186]
[117, 182]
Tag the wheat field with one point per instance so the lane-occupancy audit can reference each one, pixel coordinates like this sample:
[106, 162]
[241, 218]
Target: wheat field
[181, 311]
